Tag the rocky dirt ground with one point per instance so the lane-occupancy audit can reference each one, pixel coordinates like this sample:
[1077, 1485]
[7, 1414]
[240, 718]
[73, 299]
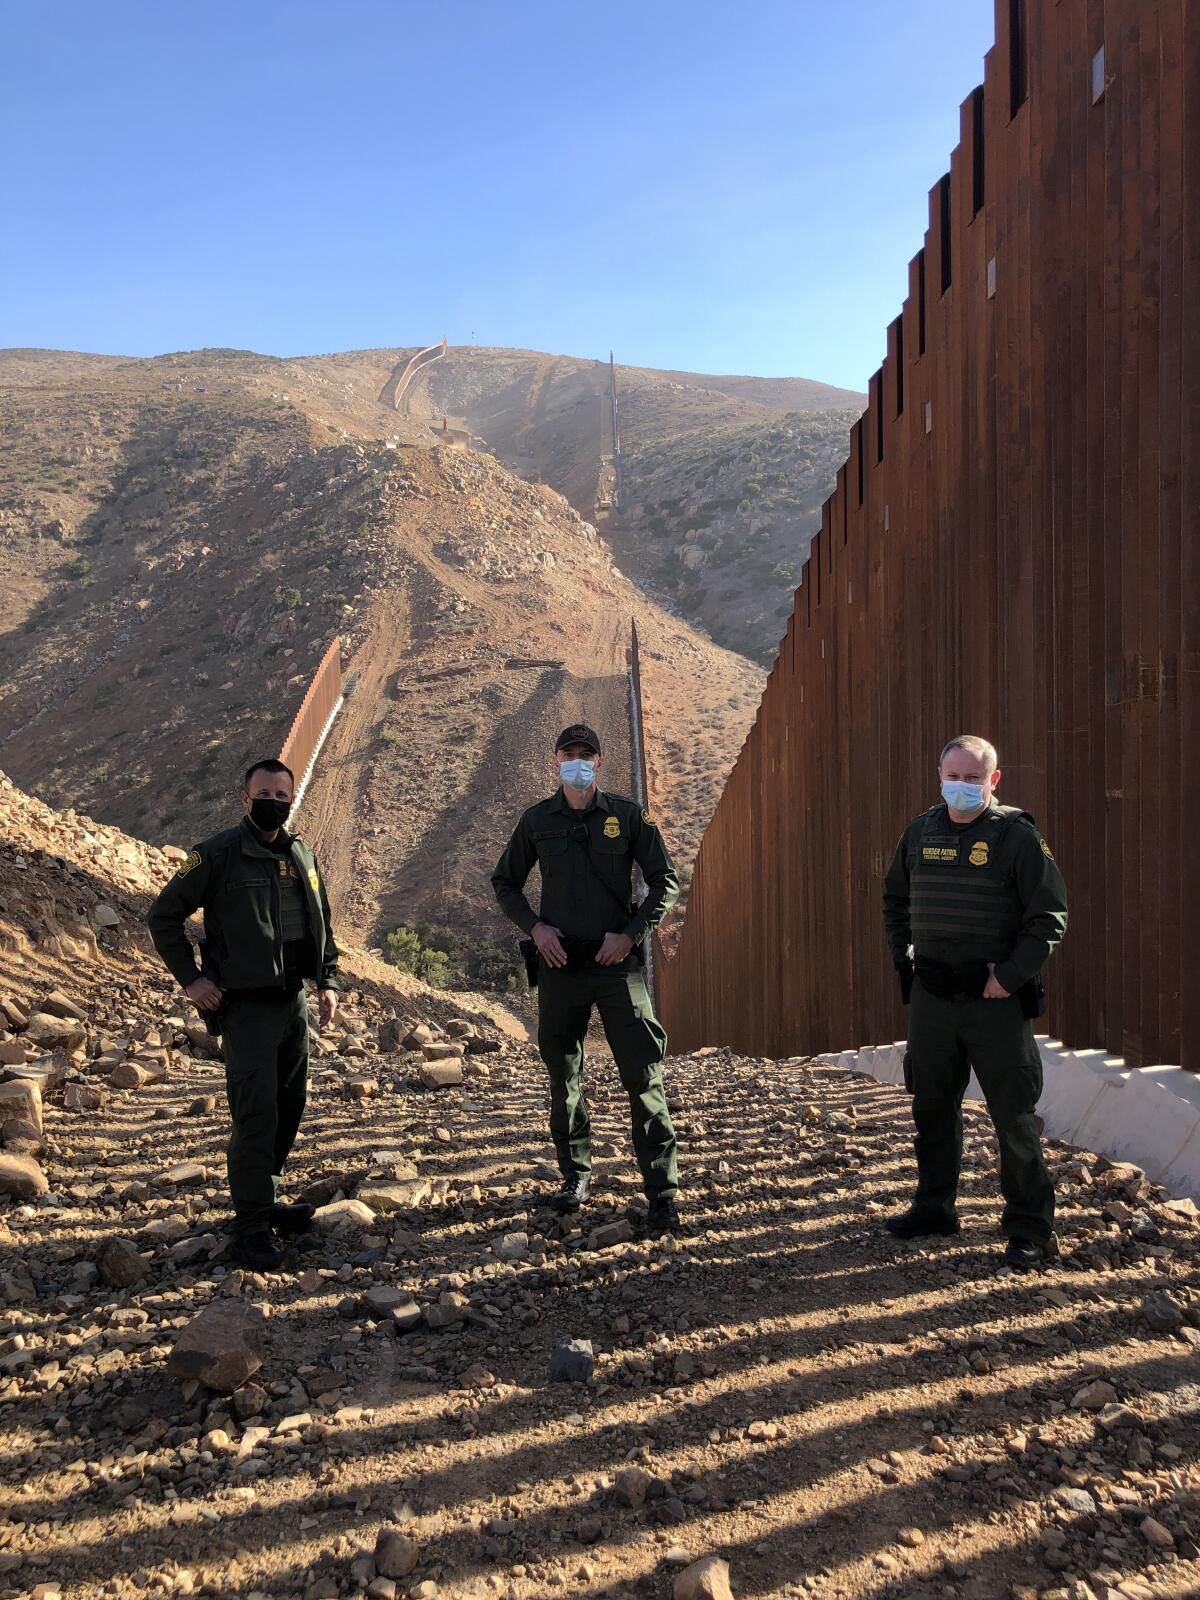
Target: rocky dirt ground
[780, 1386]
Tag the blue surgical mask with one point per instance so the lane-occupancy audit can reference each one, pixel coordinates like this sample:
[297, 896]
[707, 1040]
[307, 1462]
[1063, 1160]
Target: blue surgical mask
[962, 797]
[579, 774]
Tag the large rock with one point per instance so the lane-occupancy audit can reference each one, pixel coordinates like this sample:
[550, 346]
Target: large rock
[84, 1097]
[12, 1053]
[1159, 1311]
[222, 1345]
[128, 1075]
[396, 1555]
[573, 1361]
[341, 1214]
[21, 1177]
[706, 1579]
[441, 1074]
[442, 1052]
[57, 1004]
[121, 1264]
[55, 1033]
[21, 1101]
[398, 1196]
[381, 1300]
[105, 916]
[422, 1034]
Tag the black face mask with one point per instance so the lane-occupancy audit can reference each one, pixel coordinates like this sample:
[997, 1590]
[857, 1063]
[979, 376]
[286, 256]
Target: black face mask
[269, 814]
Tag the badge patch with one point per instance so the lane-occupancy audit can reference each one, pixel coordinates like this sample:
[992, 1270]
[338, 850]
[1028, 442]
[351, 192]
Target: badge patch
[1046, 851]
[612, 827]
[979, 853]
[193, 860]
[314, 883]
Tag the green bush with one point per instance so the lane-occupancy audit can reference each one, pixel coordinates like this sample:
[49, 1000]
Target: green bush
[403, 948]
[77, 567]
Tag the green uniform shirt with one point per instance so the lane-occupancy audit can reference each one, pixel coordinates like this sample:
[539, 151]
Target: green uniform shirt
[235, 878]
[987, 890]
[574, 896]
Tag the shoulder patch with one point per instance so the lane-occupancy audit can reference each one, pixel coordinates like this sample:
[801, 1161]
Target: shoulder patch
[648, 819]
[1046, 851]
[193, 861]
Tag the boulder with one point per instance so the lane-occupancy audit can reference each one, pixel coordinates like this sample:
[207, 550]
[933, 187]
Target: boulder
[21, 1178]
[631, 1487]
[396, 1555]
[706, 1579]
[104, 916]
[381, 1299]
[441, 1074]
[55, 1033]
[222, 1345]
[572, 1361]
[1160, 1312]
[12, 1053]
[21, 1101]
[121, 1264]
[395, 1196]
[610, 1233]
[183, 1175]
[57, 1004]
[341, 1214]
[442, 1052]
[128, 1075]
[459, 1028]
[417, 1037]
[84, 1097]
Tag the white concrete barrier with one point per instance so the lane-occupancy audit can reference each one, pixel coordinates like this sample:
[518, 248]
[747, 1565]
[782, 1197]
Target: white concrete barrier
[1150, 1116]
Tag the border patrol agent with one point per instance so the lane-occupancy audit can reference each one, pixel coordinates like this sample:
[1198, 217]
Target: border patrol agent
[973, 906]
[587, 935]
[266, 929]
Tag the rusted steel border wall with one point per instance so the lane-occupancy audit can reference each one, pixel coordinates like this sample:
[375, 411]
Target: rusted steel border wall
[1011, 549]
[321, 699]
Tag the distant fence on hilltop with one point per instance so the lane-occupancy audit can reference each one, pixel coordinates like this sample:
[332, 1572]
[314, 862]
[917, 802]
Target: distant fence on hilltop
[394, 389]
[1003, 554]
[321, 703]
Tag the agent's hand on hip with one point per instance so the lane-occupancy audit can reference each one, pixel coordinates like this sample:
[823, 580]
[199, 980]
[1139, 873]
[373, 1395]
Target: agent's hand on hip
[613, 951]
[204, 994]
[546, 938]
[993, 990]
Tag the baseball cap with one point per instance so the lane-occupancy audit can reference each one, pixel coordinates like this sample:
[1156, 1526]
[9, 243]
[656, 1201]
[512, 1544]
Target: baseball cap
[578, 733]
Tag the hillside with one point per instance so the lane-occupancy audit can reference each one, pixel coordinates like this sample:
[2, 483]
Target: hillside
[181, 537]
[719, 521]
[780, 1385]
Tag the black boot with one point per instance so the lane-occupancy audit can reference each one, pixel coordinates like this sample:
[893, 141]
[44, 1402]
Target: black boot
[258, 1251]
[1023, 1254]
[663, 1215]
[914, 1225]
[295, 1218]
[573, 1193]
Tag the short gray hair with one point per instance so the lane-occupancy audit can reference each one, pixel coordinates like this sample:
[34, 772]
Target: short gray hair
[974, 745]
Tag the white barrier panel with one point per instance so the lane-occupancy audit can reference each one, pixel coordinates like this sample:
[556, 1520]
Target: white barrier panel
[1150, 1116]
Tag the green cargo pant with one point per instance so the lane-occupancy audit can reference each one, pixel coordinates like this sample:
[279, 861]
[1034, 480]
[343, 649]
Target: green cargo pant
[266, 1079]
[946, 1038]
[638, 1043]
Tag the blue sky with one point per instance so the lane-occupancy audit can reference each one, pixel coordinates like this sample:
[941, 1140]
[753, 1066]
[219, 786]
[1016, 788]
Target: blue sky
[709, 186]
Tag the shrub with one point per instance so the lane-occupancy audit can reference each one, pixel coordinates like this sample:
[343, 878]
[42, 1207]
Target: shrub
[77, 567]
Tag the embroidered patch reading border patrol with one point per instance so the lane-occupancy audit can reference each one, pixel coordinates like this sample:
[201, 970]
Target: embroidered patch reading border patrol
[193, 860]
[935, 852]
[612, 827]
